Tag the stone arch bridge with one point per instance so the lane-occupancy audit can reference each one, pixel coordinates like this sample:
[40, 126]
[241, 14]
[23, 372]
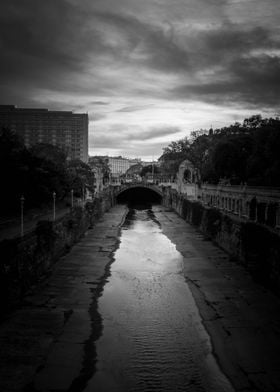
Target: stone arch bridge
[150, 187]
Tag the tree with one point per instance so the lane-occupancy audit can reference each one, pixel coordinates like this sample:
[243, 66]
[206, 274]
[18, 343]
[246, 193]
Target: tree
[80, 176]
[264, 161]
[50, 152]
[101, 163]
[229, 158]
[53, 164]
[247, 152]
[199, 151]
[149, 169]
[36, 173]
[174, 154]
[255, 121]
[13, 156]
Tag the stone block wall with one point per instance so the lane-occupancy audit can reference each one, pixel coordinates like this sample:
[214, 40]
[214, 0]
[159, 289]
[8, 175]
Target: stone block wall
[259, 204]
[252, 244]
[26, 260]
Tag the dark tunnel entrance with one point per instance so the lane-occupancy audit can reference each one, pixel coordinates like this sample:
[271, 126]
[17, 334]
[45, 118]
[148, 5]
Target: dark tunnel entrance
[139, 195]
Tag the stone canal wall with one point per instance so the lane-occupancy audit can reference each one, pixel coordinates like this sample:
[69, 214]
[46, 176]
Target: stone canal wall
[25, 260]
[254, 245]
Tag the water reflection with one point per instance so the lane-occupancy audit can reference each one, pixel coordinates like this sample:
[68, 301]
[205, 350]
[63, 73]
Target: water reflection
[153, 338]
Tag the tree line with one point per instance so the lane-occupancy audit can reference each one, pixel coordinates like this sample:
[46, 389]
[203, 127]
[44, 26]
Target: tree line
[37, 172]
[240, 153]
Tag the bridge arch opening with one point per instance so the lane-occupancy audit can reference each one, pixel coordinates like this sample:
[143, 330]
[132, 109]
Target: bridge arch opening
[139, 195]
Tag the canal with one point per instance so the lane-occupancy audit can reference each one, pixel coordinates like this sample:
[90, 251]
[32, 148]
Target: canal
[153, 338]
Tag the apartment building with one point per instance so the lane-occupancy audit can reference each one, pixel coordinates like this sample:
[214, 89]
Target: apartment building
[64, 129]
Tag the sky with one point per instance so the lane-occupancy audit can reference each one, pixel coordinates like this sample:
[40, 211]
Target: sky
[147, 72]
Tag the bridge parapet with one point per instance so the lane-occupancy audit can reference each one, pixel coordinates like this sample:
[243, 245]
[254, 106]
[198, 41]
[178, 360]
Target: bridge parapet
[259, 204]
[120, 188]
[190, 191]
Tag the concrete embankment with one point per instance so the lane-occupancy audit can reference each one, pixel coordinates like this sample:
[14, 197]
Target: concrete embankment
[48, 343]
[28, 259]
[255, 246]
[241, 316]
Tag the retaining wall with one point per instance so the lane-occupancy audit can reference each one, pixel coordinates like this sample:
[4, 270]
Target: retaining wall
[254, 245]
[26, 260]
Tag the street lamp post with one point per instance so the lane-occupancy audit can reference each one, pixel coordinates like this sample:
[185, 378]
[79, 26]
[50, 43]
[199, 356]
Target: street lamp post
[84, 191]
[153, 169]
[54, 195]
[21, 214]
[72, 198]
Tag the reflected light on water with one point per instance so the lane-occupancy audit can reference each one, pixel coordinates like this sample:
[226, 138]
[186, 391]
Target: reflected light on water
[153, 337]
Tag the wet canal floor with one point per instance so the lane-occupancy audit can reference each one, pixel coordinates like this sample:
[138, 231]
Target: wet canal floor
[118, 317]
[153, 338]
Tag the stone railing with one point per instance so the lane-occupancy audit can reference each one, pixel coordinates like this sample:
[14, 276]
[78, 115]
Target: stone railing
[259, 204]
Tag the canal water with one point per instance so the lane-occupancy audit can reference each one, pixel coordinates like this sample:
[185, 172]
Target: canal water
[153, 337]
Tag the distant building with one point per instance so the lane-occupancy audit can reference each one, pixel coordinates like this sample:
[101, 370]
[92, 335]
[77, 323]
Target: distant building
[119, 165]
[64, 129]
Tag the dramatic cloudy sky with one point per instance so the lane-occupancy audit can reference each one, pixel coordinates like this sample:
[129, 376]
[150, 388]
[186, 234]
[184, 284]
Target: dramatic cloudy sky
[147, 71]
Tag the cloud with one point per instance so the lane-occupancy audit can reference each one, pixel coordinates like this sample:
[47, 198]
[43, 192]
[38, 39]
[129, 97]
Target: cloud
[126, 37]
[39, 33]
[97, 116]
[233, 65]
[129, 109]
[158, 132]
[109, 144]
[110, 135]
[125, 62]
[251, 81]
[67, 47]
[100, 103]
[47, 46]
[144, 142]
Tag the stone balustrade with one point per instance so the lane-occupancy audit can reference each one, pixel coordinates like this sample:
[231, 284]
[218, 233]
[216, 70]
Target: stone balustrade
[258, 204]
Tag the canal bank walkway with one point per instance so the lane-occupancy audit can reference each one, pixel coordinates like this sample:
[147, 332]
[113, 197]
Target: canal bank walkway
[241, 317]
[48, 344]
[11, 228]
